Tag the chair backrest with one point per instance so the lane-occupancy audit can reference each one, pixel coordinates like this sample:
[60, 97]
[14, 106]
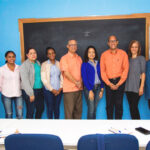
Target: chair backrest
[90, 142]
[121, 142]
[148, 146]
[33, 142]
[108, 142]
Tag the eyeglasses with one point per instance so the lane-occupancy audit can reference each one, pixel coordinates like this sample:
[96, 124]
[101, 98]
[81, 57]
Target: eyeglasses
[112, 41]
[71, 45]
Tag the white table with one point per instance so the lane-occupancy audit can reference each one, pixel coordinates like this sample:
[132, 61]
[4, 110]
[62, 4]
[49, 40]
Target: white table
[71, 130]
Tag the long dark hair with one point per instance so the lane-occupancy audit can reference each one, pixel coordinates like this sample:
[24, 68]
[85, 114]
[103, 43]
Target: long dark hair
[6, 54]
[86, 59]
[130, 45]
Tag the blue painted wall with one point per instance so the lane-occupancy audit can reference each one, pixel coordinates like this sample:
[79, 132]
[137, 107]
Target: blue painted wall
[12, 10]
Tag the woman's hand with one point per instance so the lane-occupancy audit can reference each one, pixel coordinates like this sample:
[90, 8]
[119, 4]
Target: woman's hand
[32, 98]
[58, 92]
[54, 92]
[91, 95]
[101, 93]
[141, 91]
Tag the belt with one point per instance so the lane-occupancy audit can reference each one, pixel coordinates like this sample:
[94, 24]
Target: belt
[115, 78]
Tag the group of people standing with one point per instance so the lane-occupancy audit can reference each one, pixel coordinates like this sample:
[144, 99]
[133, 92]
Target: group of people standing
[34, 83]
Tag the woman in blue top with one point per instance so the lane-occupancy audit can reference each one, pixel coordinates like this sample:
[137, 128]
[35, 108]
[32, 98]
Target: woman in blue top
[93, 84]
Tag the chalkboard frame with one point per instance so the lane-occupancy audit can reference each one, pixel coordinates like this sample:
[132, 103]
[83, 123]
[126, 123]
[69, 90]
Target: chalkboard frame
[146, 16]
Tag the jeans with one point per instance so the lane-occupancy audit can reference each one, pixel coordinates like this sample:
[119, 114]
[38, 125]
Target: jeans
[52, 103]
[8, 106]
[92, 104]
[114, 99]
[37, 105]
[133, 99]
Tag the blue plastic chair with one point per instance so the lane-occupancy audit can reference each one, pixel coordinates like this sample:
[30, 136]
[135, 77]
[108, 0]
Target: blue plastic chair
[33, 142]
[108, 142]
[148, 146]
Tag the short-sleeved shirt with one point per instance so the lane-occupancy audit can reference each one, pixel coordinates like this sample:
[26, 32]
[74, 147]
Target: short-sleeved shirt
[136, 68]
[114, 65]
[72, 64]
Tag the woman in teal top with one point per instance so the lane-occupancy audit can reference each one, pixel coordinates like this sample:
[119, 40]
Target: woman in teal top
[32, 85]
[37, 81]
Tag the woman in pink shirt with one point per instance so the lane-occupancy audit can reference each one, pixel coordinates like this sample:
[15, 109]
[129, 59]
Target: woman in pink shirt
[10, 86]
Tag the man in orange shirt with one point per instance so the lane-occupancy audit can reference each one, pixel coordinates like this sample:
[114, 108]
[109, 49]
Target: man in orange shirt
[114, 70]
[70, 65]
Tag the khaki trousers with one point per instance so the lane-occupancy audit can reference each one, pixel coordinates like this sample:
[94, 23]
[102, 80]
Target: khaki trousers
[73, 105]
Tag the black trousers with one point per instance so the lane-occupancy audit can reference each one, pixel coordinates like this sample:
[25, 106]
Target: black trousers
[114, 100]
[133, 99]
[37, 106]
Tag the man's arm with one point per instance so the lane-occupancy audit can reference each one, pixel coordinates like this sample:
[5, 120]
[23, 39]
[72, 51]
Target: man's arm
[103, 70]
[67, 74]
[71, 78]
[125, 70]
[104, 75]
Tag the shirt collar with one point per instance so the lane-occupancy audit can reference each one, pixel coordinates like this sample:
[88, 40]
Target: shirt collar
[49, 62]
[92, 62]
[72, 55]
[113, 53]
[16, 67]
[32, 62]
